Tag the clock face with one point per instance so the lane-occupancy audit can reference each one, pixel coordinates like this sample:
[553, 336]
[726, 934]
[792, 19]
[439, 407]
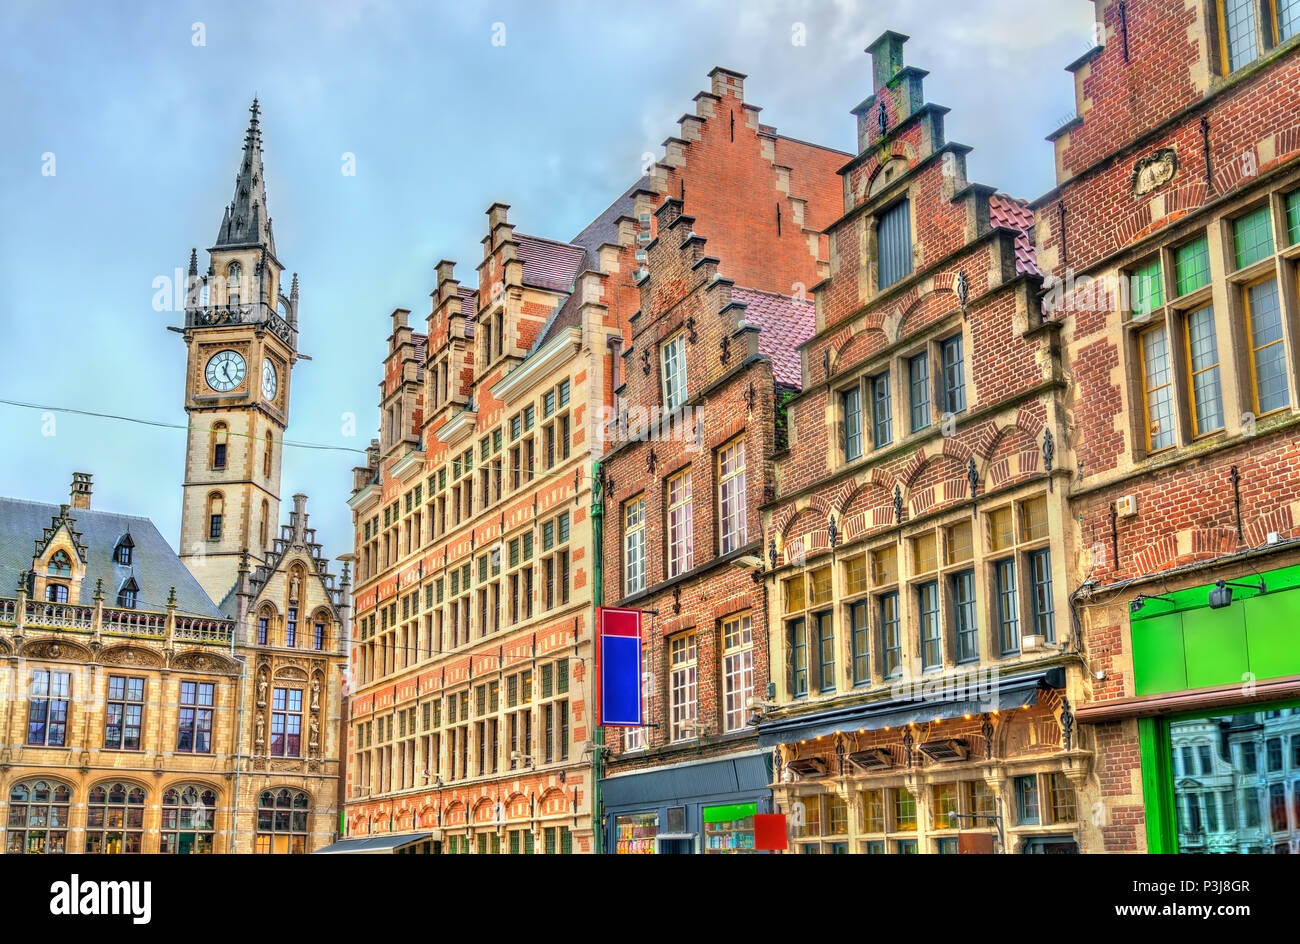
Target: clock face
[225, 371]
[269, 379]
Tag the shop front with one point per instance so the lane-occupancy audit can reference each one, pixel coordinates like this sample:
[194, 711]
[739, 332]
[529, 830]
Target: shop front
[687, 809]
[1216, 670]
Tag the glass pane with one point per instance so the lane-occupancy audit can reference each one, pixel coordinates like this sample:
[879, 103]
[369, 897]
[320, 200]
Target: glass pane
[1239, 32]
[1159, 390]
[1192, 266]
[1252, 234]
[1203, 353]
[1269, 359]
[1147, 289]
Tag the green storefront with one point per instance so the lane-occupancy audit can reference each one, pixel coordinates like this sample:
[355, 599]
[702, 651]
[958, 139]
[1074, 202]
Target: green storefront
[1216, 671]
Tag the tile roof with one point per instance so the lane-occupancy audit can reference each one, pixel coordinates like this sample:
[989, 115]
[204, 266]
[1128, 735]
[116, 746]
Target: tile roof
[155, 566]
[603, 230]
[1015, 214]
[469, 307]
[548, 264]
[784, 323]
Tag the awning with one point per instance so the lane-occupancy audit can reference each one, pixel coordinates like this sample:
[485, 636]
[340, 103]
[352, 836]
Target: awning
[994, 693]
[389, 842]
[746, 774]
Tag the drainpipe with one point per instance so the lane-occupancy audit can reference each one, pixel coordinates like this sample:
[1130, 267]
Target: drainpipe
[597, 593]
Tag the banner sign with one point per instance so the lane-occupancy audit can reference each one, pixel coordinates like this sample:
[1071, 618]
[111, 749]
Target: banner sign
[618, 667]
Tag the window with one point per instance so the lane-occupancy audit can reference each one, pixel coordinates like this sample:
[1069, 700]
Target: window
[634, 546]
[124, 713]
[927, 596]
[681, 544]
[47, 708]
[263, 624]
[194, 723]
[220, 437]
[851, 405]
[1064, 807]
[918, 378]
[954, 376]
[1273, 749]
[1044, 616]
[1157, 389]
[215, 507]
[682, 686]
[894, 245]
[286, 722]
[1191, 266]
[891, 637]
[1252, 237]
[1203, 358]
[965, 629]
[824, 648]
[60, 565]
[673, 364]
[796, 658]
[1288, 19]
[1008, 606]
[1237, 42]
[189, 816]
[1292, 199]
[122, 554]
[1146, 292]
[882, 420]
[737, 670]
[860, 633]
[114, 819]
[129, 594]
[810, 634]
[318, 637]
[56, 593]
[282, 822]
[1267, 353]
[904, 810]
[38, 818]
[1026, 789]
[291, 628]
[731, 496]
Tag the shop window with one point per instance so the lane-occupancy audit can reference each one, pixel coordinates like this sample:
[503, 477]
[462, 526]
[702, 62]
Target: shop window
[282, 817]
[189, 816]
[635, 833]
[115, 819]
[1026, 792]
[38, 818]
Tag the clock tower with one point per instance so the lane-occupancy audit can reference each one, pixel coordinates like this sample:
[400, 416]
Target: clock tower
[241, 334]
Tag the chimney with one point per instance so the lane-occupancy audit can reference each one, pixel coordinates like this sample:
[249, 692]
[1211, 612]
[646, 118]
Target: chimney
[81, 490]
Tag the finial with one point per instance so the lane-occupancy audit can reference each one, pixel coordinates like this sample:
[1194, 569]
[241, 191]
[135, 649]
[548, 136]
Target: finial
[171, 597]
[99, 589]
[293, 288]
[194, 262]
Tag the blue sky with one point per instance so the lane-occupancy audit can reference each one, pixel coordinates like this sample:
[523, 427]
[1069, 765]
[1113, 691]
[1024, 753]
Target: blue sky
[146, 128]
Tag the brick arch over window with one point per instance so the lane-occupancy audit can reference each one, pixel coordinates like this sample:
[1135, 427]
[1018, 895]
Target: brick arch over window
[939, 482]
[868, 509]
[484, 810]
[455, 814]
[1014, 454]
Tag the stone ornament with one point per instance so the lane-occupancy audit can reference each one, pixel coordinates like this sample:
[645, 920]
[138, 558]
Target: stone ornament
[1154, 171]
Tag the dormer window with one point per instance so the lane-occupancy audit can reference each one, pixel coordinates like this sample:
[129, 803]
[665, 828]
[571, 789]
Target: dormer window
[124, 551]
[129, 594]
[60, 565]
[56, 593]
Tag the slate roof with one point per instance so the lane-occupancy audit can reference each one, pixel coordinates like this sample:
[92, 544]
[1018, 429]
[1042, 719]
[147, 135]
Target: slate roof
[547, 263]
[469, 307]
[1015, 214]
[155, 566]
[784, 323]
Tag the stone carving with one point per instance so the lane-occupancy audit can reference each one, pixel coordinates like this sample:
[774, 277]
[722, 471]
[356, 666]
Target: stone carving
[130, 655]
[1154, 171]
[314, 741]
[261, 731]
[315, 694]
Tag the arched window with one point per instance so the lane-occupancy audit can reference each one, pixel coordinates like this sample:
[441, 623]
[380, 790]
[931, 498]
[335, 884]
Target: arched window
[234, 276]
[319, 623]
[189, 815]
[60, 565]
[261, 528]
[266, 456]
[114, 819]
[220, 441]
[56, 593]
[282, 822]
[123, 553]
[264, 625]
[129, 594]
[38, 818]
[216, 506]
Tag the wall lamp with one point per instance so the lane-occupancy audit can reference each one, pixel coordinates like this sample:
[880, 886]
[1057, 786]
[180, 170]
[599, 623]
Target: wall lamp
[1221, 595]
[1139, 601]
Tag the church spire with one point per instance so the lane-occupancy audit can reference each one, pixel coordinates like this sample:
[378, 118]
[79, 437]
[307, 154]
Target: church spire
[245, 221]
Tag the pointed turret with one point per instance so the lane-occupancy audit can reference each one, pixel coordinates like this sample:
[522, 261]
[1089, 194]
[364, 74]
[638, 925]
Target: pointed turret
[245, 221]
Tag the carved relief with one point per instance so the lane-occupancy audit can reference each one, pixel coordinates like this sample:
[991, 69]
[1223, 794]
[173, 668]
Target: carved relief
[291, 672]
[202, 662]
[1154, 171]
[130, 655]
[55, 649]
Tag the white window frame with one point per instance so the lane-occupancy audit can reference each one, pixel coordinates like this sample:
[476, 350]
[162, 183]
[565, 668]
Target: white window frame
[634, 546]
[672, 363]
[681, 542]
[732, 521]
[683, 686]
[737, 670]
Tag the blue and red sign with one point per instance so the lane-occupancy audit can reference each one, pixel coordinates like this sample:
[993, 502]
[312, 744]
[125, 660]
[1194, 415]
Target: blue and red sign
[618, 667]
